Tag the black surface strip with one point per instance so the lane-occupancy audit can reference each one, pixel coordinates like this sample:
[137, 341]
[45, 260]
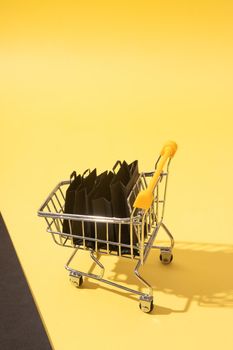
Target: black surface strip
[21, 327]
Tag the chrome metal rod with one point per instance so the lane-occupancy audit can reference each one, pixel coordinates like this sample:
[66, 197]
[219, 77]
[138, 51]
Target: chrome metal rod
[97, 262]
[139, 264]
[96, 277]
[71, 257]
[137, 274]
[169, 234]
[93, 239]
[99, 278]
[151, 241]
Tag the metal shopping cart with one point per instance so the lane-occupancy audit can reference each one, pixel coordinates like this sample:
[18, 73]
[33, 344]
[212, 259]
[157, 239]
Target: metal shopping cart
[148, 196]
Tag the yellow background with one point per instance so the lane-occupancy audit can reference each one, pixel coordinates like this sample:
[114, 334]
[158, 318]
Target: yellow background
[84, 83]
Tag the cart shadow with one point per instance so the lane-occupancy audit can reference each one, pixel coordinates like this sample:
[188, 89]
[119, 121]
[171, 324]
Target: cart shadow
[200, 273]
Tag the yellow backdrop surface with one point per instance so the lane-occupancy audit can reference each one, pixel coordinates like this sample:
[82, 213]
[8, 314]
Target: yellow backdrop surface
[84, 83]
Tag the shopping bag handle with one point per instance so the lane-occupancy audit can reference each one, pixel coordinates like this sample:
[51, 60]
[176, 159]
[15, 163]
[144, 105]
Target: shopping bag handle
[87, 171]
[118, 162]
[73, 175]
[145, 197]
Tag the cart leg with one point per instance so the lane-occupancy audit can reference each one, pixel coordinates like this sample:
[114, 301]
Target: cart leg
[76, 276]
[145, 300]
[71, 258]
[166, 255]
[95, 259]
[169, 234]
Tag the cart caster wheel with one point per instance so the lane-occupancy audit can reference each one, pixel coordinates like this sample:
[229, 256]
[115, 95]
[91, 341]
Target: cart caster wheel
[146, 304]
[76, 280]
[166, 257]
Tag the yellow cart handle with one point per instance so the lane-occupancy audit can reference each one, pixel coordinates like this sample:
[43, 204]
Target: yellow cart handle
[145, 198]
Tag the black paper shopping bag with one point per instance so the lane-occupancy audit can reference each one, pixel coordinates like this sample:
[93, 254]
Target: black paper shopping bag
[120, 188]
[82, 207]
[102, 206]
[70, 199]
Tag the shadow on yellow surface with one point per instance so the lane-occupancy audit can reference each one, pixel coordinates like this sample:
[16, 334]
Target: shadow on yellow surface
[200, 273]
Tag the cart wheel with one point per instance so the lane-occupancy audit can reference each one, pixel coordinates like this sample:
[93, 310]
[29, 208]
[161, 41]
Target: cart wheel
[146, 304]
[76, 280]
[166, 257]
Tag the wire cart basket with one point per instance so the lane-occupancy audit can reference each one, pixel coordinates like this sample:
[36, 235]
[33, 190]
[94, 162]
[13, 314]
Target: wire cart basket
[148, 196]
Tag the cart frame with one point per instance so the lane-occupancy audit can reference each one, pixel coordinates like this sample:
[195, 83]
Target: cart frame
[145, 223]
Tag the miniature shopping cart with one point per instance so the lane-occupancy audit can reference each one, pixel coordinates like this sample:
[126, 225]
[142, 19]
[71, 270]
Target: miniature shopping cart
[148, 196]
